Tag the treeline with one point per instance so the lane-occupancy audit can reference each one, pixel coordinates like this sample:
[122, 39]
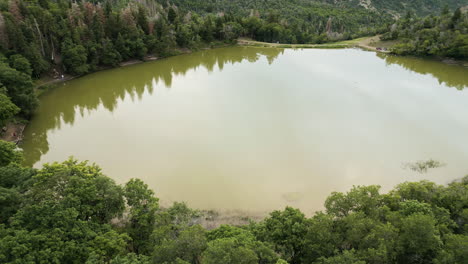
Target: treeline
[444, 35]
[309, 21]
[71, 213]
[400, 7]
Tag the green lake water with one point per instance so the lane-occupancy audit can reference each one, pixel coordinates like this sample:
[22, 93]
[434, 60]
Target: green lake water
[260, 128]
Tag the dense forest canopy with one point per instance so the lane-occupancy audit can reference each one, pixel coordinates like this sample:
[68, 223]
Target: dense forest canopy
[71, 213]
[399, 7]
[444, 35]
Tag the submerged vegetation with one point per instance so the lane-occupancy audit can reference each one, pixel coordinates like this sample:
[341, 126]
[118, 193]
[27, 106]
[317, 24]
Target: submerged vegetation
[71, 213]
[423, 166]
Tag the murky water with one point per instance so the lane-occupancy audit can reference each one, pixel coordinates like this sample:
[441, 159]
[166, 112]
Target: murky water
[260, 128]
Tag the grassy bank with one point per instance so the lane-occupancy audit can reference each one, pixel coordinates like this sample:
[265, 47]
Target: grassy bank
[368, 43]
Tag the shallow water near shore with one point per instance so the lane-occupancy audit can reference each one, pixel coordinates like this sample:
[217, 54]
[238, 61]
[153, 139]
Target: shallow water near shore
[260, 128]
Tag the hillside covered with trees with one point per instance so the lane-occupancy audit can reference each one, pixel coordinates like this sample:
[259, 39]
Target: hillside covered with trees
[400, 7]
[71, 213]
[444, 35]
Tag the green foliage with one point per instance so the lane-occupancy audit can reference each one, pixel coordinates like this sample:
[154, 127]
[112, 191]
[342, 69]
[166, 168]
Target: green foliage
[420, 7]
[142, 218]
[446, 35]
[74, 58]
[286, 230]
[419, 239]
[188, 246]
[19, 88]
[364, 199]
[21, 64]
[13, 184]
[131, 258]
[63, 215]
[228, 251]
[455, 250]
[70, 190]
[7, 109]
[71, 213]
[245, 239]
[9, 153]
[347, 257]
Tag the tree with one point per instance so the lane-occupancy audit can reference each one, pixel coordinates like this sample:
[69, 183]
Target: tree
[131, 258]
[21, 64]
[74, 58]
[13, 183]
[364, 199]
[9, 203]
[71, 187]
[457, 15]
[419, 240]
[19, 88]
[110, 56]
[109, 244]
[228, 251]
[287, 230]
[455, 250]
[188, 246]
[7, 109]
[15, 176]
[9, 153]
[139, 48]
[347, 257]
[64, 217]
[423, 191]
[321, 239]
[244, 238]
[171, 15]
[445, 10]
[142, 218]
[38, 63]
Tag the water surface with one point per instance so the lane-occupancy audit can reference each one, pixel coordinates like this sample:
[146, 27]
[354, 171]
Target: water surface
[260, 128]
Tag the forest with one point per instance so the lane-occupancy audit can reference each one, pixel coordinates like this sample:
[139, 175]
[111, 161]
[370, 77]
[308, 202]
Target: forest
[444, 35]
[400, 7]
[70, 212]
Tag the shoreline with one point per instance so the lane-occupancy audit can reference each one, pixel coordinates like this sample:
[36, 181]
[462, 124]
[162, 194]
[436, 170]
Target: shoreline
[13, 130]
[47, 80]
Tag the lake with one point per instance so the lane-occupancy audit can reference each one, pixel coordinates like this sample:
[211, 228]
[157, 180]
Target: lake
[260, 128]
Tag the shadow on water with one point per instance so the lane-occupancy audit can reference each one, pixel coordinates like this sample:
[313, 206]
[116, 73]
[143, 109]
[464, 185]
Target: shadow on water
[455, 76]
[60, 105]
